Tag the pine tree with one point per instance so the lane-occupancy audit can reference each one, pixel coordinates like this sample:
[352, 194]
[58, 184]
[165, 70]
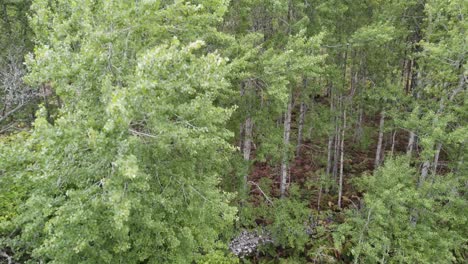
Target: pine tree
[129, 172]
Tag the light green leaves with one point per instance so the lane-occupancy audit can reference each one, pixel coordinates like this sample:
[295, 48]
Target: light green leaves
[402, 222]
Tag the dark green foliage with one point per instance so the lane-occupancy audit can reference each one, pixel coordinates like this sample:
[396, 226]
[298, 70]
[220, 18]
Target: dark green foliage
[402, 222]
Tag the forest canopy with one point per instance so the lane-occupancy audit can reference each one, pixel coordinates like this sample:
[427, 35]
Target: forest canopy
[242, 131]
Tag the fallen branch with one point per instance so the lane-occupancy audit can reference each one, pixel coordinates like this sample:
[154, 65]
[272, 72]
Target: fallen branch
[260, 189]
[138, 133]
[12, 112]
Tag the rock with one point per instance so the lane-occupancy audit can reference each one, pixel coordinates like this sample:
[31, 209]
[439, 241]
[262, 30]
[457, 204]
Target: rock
[247, 242]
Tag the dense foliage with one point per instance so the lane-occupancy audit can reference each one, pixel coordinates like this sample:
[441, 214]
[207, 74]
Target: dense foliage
[160, 131]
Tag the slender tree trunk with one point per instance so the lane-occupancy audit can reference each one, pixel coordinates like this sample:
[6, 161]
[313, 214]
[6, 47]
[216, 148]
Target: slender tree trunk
[329, 156]
[247, 146]
[409, 78]
[300, 127]
[337, 140]
[336, 153]
[330, 141]
[286, 135]
[241, 138]
[340, 191]
[411, 143]
[319, 199]
[461, 87]
[461, 160]
[424, 172]
[413, 81]
[436, 158]
[379, 143]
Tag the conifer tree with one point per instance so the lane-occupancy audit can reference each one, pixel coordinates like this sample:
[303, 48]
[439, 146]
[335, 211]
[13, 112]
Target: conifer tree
[129, 172]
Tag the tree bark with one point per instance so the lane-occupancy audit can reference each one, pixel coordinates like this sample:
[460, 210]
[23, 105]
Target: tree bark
[461, 160]
[337, 141]
[411, 142]
[424, 171]
[329, 156]
[247, 146]
[285, 159]
[340, 191]
[378, 152]
[336, 153]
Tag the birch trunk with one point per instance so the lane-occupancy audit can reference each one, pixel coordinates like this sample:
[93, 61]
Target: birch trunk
[336, 153]
[378, 152]
[247, 145]
[286, 135]
[337, 142]
[340, 191]
[411, 140]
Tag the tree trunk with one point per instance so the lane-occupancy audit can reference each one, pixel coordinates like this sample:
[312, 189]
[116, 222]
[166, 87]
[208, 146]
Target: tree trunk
[285, 159]
[461, 86]
[424, 171]
[330, 141]
[340, 191]
[329, 156]
[378, 153]
[436, 158]
[337, 141]
[241, 138]
[336, 153]
[247, 147]
[411, 140]
[300, 127]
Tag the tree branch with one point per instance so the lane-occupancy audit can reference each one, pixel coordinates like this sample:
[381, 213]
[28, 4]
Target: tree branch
[260, 189]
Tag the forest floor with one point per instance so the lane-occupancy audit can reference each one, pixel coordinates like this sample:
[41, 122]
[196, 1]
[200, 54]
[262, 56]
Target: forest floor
[307, 167]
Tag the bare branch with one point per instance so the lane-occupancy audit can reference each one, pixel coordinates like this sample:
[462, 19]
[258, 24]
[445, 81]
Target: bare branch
[139, 133]
[260, 189]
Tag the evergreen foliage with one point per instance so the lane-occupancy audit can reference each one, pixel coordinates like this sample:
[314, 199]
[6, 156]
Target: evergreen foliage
[402, 222]
[163, 131]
